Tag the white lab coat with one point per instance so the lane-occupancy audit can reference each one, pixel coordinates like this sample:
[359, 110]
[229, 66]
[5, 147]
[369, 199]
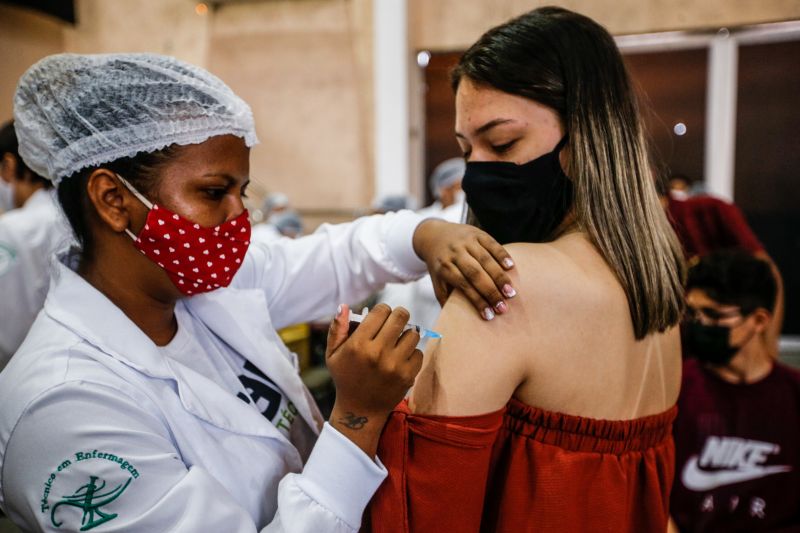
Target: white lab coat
[93, 416]
[29, 236]
[265, 232]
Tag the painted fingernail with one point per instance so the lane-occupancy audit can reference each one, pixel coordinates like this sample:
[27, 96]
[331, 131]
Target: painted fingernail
[488, 314]
[501, 307]
[509, 291]
[508, 263]
[339, 311]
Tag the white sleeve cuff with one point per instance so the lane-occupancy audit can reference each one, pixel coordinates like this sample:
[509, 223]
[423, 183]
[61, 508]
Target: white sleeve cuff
[400, 247]
[340, 476]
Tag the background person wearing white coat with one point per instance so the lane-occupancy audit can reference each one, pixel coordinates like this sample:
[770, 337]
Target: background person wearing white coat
[265, 229]
[419, 296]
[152, 392]
[445, 185]
[31, 230]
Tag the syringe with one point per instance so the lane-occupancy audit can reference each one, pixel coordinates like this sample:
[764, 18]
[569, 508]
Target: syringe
[424, 333]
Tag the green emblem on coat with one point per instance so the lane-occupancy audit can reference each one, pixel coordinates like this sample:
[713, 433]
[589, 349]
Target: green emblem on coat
[90, 498]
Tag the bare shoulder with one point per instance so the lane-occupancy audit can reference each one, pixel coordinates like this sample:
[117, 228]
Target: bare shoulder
[566, 276]
[474, 368]
[478, 365]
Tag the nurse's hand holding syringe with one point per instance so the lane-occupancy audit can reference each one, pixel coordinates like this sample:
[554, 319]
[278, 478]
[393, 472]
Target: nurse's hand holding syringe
[372, 365]
[424, 333]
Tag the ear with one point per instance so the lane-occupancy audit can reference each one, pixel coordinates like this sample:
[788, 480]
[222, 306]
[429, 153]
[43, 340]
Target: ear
[762, 319]
[565, 156]
[9, 167]
[111, 201]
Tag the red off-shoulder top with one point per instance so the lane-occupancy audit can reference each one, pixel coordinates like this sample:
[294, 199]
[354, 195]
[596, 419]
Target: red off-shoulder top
[523, 469]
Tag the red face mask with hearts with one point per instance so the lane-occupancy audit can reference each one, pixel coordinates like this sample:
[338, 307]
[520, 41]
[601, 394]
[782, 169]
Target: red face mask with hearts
[197, 259]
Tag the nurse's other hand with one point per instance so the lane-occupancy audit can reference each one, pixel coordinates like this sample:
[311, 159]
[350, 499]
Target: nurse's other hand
[372, 369]
[466, 258]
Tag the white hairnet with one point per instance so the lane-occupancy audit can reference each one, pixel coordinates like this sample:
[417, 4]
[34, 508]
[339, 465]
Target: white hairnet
[287, 223]
[75, 111]
[275, 200]
[447, 173]
[394, 202]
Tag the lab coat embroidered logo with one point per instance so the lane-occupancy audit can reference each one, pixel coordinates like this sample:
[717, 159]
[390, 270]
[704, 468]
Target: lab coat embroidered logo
[90, 498]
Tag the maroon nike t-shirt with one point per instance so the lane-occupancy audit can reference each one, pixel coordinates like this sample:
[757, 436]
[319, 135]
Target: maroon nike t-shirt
[737, 452]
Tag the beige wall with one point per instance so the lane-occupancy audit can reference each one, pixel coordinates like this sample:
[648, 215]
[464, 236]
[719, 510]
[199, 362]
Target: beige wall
[306, 66]
[449, 25]
[25, 38]
[161, 26]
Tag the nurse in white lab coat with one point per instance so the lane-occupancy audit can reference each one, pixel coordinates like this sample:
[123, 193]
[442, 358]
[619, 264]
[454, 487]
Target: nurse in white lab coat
[30, 231]
[132, 406]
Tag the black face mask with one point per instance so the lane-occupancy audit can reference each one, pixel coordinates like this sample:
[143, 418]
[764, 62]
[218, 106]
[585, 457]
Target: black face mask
[519, 203]
[709, 344]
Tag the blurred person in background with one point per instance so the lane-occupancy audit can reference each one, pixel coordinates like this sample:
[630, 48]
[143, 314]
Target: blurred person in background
[705, 224]
[737, 433]
[274, 203]
[680, 186]
[30, 232]
[445, 185]
[6, 193]
[264, 229]
[393, 202]
[288, 223]
[23, 183]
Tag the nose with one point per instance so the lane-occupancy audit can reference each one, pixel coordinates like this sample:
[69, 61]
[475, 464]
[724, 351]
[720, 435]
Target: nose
[235, 207]
[481, 154]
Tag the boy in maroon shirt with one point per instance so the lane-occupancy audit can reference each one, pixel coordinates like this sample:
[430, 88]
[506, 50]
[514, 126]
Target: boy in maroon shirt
[737, 434]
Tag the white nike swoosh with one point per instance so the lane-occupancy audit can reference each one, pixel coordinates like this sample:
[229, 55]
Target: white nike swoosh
[698, 480]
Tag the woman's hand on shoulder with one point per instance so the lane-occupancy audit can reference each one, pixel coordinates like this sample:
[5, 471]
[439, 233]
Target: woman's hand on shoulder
[466, 258]
[478, 365]
[372, 369]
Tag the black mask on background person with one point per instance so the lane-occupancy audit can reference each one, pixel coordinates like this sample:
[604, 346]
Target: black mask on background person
[708, 344]
[519, 203]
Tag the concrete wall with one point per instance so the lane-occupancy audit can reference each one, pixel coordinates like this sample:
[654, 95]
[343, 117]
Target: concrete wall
[306, 66]
[25, 38]
[443, 25]
[162, 26]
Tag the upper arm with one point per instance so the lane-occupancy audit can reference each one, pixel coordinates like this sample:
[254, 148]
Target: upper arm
[82, 438]
[479, 365]
[476, 366]
[306, 278]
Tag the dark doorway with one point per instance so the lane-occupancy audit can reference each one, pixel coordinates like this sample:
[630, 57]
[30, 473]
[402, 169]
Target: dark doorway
[767, 184]
[440, 114]
[671, 87]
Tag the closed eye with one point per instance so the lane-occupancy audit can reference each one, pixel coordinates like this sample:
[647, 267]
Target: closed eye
[503, 148]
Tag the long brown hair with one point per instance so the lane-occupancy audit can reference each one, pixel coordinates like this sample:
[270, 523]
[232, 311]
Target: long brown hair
[570, 63]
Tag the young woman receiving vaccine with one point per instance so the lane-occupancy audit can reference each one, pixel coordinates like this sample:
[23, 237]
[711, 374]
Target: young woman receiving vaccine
[559, 418]
[152, 392]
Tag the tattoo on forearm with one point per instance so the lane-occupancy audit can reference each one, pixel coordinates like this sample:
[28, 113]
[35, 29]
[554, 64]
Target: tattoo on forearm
[353, 421]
